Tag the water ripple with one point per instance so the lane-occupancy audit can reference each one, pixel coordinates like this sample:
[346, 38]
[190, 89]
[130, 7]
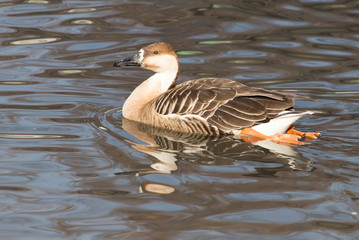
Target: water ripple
[334, 41]
[72, 168]
[34, 41]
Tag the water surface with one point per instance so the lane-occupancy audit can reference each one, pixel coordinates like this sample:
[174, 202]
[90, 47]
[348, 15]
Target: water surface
[71, 168]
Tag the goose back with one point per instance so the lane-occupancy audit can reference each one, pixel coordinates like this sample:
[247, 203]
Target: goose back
[214, 106]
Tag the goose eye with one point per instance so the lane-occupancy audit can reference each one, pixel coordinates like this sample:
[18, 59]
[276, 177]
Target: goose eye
[155, 52]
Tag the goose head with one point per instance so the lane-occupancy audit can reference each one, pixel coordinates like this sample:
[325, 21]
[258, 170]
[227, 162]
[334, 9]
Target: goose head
[158, 57]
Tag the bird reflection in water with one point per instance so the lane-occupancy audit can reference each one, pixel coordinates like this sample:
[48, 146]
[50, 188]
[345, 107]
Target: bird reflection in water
[168, 147]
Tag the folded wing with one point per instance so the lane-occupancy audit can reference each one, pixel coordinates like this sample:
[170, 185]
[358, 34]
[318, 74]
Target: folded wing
[225, 104]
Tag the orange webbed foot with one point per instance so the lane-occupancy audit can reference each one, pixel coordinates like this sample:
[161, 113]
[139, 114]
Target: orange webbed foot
[306, 135]
[311, 135]
[285, 139]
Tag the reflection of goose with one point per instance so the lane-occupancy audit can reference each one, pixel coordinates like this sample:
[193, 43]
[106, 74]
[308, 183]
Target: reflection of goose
[167, 147]
[210, 106]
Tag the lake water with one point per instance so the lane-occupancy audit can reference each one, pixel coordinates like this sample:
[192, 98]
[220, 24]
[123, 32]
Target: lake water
[71, 168]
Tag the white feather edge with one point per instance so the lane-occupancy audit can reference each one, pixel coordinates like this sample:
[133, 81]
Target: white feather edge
[281, 123]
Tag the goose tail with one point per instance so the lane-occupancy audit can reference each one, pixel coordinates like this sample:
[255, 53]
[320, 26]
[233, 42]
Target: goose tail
[281, 123]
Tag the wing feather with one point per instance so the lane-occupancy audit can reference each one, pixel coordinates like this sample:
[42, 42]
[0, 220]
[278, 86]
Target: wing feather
[223, 103]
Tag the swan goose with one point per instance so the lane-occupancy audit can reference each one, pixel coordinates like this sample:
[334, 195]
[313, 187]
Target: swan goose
[211, 106]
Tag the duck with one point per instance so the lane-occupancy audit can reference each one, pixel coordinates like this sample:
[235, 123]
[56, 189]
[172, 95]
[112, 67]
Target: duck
[208, 106]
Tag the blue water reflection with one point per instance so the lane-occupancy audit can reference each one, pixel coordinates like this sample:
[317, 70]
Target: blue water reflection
[71, 168]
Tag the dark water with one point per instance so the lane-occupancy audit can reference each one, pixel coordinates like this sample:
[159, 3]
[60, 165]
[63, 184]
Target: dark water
[69, 170]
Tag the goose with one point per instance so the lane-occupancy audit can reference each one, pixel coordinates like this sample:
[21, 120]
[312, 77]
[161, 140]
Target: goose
[210, 106]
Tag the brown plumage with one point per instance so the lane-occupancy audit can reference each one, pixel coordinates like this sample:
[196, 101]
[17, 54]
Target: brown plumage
[225, 104]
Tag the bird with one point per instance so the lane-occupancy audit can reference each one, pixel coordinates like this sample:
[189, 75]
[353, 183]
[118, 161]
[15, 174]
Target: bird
[209, 106]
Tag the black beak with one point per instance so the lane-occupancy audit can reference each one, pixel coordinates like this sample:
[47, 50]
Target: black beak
[130, 61]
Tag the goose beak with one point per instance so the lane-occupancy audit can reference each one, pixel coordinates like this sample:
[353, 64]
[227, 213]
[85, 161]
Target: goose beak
[130, 61]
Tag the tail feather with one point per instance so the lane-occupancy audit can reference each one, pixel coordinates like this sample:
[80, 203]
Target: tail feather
[281, 123]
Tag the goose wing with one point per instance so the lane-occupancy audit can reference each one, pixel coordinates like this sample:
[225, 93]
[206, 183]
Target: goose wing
[223, 103]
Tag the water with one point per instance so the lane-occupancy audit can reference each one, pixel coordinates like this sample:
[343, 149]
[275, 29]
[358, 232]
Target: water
[70, 167]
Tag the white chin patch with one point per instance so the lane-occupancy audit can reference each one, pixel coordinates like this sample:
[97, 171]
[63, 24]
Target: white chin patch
[140, 53]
